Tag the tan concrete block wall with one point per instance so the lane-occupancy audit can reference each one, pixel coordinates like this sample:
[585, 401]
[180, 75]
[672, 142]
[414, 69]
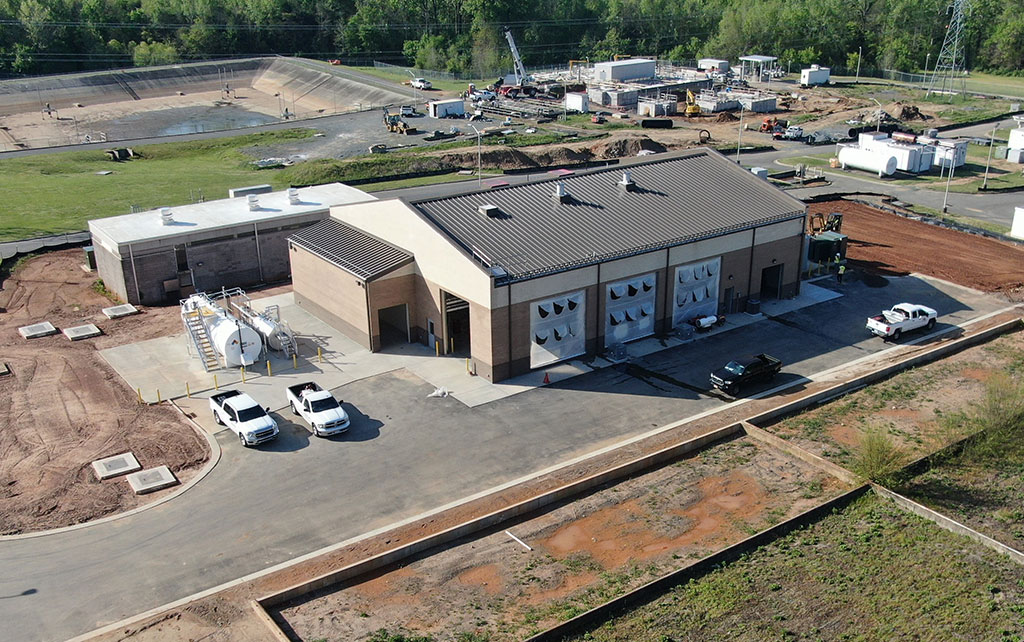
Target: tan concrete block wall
[325, 288]
[387, 293]
[785, 251]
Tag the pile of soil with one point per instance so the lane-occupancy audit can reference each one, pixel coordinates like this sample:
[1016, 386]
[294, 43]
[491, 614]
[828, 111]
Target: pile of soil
[626, 146]
[879, 242]
[727, 117]
[67, 407]
[908, 112]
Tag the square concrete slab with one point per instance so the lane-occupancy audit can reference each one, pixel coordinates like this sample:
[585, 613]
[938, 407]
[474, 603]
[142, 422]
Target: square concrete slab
[117, 465]
[37, 330]
[82, 332]
[151, 479]
[118, 311]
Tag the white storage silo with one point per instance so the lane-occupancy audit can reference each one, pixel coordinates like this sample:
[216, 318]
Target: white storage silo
[880, 162]
[239, 344]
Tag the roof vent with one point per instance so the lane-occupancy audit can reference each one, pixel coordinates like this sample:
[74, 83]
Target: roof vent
[490, 211]
[561, 194]
[293, 196]
[166, 218]
[627, 182]
[254, 202]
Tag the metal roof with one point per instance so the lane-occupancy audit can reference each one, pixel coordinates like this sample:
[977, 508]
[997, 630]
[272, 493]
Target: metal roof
[694, 195]
[756, 58]
[355, 251]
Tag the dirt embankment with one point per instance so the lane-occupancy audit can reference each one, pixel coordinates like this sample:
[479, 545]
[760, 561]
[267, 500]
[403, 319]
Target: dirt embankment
[65, 407]
[887, 243]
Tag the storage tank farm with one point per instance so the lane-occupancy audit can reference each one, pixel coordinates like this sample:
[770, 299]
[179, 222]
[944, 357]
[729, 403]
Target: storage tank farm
[235, 342]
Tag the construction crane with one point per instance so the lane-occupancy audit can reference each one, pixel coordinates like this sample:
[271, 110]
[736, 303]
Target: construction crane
[520, 86]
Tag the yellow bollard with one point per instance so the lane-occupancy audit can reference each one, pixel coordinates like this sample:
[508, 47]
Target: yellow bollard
[215, 386]
[319, 355]
[139, 390]
[437, 348]
[295, 362]
[467, 365]
[451, 343]
[158, 399]
[243, 373]
[188, 392]
[268, 369]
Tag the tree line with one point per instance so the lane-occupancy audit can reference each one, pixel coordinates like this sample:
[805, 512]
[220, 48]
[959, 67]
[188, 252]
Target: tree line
[465, 36]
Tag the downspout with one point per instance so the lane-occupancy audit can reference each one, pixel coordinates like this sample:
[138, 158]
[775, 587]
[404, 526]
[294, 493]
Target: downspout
[135, 275]
[508, 315]
[259, 257]
[668, 298]
[750, 266]
[369, 324]
[600, 313]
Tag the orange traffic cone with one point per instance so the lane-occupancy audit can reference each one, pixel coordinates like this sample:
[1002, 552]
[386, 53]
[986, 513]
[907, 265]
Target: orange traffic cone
[547, 379]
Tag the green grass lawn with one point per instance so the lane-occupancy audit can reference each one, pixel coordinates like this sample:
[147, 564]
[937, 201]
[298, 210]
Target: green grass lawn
[869, 572]
[457, 86]
[60, 192]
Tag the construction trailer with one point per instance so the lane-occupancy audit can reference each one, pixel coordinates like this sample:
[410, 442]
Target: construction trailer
[814, 76]
[713, 65]
[623, 70]
[577, 102]
[446, 108]
[655, 107]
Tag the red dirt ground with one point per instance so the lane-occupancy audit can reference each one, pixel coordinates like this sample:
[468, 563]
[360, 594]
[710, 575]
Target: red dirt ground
[890, 244]
[65, 407]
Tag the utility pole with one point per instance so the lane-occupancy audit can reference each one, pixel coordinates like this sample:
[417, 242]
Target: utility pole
[878, 118]
[927, 57]
[991, 142]
[949, 179]
[859, 49]
[739, 136]
[479, 175]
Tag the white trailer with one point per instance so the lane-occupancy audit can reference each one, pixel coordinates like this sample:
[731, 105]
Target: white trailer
[713, 65]
[1016, 138]
[446, 108]
[814, 76]
[578, 102]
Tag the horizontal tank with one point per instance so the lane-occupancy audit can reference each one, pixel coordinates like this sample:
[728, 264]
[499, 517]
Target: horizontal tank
[880, 162]
[269, 330]
[239, 344]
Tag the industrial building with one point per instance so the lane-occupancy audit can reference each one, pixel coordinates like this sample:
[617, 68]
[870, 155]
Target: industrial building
[623, 70]
[166, 254]
[530, 275]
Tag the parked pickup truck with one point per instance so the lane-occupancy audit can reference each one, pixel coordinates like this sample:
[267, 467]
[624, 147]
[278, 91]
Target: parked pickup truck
[903, 317]
[740, 372]
[319, 408]
[240, 412]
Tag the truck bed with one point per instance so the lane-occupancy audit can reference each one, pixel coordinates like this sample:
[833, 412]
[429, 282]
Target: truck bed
[221, 396]
[297, 389]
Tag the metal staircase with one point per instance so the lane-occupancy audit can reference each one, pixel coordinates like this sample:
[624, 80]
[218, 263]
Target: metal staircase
[195, 325]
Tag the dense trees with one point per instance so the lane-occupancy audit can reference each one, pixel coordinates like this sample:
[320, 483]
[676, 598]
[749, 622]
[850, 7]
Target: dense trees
[42, 36]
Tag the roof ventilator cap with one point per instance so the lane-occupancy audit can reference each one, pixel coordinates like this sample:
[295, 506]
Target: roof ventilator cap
[293, 196]
[254, 202]
[561, 194]
[166, 218]
[627, 181]
[490, 211]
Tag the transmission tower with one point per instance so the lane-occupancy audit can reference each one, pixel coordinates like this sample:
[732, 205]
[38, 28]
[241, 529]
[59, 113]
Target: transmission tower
[950, 72]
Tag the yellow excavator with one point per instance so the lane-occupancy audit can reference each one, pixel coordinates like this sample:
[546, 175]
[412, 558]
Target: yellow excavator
[691, 104]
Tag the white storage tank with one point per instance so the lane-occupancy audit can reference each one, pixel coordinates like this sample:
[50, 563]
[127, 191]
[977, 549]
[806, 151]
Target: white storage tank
[881, 163]
[270, 331]
[239, 344]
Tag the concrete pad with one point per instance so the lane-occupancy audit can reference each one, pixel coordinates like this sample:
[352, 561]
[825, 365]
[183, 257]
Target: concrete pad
[4, 369]
[117, 465]
[37, 330]
[79, 332]
[151, 479]
[118, 311]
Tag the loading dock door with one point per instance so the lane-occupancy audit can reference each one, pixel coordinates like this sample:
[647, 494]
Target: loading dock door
[456, 312]
[394, 325]
[771, 283]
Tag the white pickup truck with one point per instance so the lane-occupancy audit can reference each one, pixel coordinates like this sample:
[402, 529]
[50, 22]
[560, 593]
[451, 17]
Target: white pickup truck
[319, 408]
[240, 412]
[903, 317]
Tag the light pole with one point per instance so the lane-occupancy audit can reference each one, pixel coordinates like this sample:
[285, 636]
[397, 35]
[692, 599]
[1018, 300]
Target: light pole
[927, 57]
[878, 118]
[415, 96]
[858, 63]
[479, 176]
[949, 179]
[991, 142]
[739, 135]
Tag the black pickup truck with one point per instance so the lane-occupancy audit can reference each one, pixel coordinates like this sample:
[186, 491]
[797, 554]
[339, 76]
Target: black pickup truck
[740, 372]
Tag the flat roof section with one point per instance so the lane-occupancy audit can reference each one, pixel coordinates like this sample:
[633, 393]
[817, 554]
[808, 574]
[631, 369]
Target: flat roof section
[624, 63]
[760, 59]
[693, 195]
[355, 251]
[225, 213]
